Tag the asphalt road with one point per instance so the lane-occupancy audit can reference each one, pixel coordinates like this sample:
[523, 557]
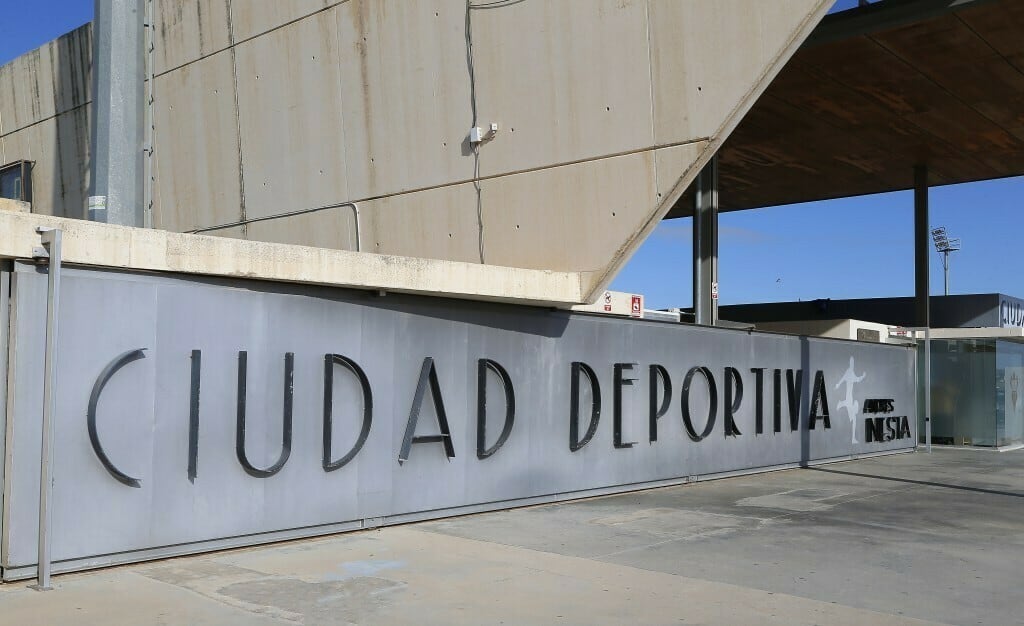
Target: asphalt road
[902, 539]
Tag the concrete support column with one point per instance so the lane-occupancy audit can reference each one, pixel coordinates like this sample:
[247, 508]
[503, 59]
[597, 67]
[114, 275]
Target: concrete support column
[705, 246]
[118, 113]
[921, 243]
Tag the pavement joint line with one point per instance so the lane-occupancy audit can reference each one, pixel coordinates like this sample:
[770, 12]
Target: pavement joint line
[924, 483]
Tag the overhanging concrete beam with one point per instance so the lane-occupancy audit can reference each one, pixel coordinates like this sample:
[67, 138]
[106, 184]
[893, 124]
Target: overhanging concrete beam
[108, 245]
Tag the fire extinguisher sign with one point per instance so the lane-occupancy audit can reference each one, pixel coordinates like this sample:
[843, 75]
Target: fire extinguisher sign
[636, 309]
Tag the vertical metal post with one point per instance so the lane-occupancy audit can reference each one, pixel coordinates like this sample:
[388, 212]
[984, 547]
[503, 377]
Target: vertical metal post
[51, 239]
[117, 180]
[921, 288]
[945, 272]
[921, 241]
[705, 246]
[928, 389]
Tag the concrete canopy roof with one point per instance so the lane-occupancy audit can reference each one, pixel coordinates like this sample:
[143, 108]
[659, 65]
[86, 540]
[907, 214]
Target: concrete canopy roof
[876, 90]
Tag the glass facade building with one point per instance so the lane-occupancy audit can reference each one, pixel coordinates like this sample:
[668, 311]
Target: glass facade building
[977, 371]
[977, 392]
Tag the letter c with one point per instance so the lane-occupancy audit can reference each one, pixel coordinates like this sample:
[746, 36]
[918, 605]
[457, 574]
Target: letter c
[97, 389]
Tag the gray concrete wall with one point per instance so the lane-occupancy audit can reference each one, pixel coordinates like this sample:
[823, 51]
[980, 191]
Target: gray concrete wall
[15, 205]
[805, 410]
[607, 109]
[44, 117]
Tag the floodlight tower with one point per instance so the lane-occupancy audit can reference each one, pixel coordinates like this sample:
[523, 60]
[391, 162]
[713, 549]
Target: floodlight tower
[944, 245]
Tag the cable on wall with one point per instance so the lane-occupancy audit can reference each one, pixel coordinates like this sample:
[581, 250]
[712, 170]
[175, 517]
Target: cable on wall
[475, 146]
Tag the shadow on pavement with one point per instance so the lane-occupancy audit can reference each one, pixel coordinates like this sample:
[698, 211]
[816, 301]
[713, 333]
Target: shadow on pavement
[921, 482]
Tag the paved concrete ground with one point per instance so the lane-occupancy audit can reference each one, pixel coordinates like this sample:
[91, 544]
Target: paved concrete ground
[906, 539]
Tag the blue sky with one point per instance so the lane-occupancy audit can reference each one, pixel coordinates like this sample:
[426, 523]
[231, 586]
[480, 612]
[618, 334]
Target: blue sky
[27, 24]
[850, 248]
[855, 247]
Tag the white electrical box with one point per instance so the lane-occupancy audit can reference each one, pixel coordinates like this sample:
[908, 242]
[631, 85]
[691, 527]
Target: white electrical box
[479, 135]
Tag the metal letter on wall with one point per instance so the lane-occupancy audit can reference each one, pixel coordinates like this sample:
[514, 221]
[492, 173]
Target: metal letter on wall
[578, 367]
[94, 399]
[659, 373]
[712, 403]
[482, 451]
[819, 399]
[758, 373]
[777, 400]
[733, 399]
[330, 360]
[794, 387]
[286, 429]
[428, 377]
[193, 416]
[619, 381]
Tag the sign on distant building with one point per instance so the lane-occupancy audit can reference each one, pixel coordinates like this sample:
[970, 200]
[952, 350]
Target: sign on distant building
[1011, 312]
[615, 303]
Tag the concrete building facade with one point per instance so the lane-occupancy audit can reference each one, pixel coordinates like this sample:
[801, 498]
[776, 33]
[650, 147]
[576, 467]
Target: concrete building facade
[605, 113]
[322, 206]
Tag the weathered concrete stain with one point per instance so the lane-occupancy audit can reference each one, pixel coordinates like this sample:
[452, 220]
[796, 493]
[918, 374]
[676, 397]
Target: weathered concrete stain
[353, 569]
[347, 599]
[354, 600]
[796, 500]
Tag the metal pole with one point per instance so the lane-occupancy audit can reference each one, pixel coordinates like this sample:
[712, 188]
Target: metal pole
[118, 114]
[928, 389]
[921, 288]
[921, 243]
[705, 246]
[51, 239]
[945, 269]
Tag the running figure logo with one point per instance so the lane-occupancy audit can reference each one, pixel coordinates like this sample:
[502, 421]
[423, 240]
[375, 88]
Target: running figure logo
[852, 407]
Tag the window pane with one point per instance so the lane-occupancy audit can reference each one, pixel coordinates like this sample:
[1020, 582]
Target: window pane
[10, 183]
[16, 181]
